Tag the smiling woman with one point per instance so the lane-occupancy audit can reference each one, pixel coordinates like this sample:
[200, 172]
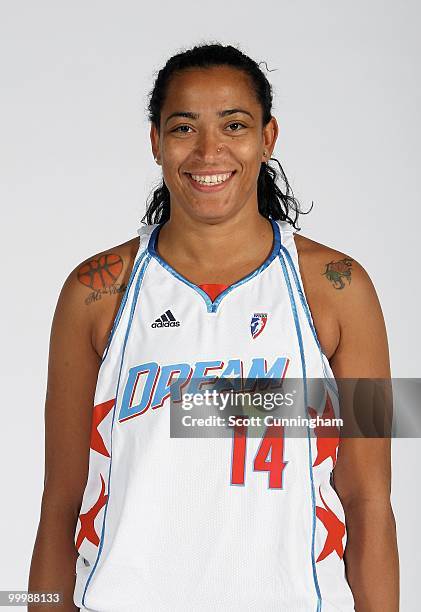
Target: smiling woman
[217, 291]
[210, 113]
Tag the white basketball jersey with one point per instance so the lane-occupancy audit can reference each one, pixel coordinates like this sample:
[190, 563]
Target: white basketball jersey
[183, 524]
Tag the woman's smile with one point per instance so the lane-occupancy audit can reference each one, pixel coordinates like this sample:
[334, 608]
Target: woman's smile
[210, 182]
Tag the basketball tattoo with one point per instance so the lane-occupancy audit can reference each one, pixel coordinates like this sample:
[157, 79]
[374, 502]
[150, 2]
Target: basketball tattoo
[336, 271]
[101, 275]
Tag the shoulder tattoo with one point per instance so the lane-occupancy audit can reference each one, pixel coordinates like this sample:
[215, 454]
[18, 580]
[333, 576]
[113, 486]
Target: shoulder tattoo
[101, 276]
[338, 271]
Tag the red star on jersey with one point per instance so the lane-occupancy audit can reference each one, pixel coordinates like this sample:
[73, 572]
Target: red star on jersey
[335, 531]
[99, 413]
[87, 528]
[326, 446]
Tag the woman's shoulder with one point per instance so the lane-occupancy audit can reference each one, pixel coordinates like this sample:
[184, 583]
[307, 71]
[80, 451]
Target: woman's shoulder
[338, 288]
[94, 288]
[104, 273]
[331, 267]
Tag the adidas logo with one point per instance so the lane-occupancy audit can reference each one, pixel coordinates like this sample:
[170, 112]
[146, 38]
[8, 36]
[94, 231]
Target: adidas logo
[166, 320]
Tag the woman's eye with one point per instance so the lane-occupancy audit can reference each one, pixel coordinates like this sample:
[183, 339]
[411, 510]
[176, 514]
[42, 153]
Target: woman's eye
[236, 123]
[179, 128]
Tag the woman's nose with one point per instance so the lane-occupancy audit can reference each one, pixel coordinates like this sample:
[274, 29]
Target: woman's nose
[208, 145]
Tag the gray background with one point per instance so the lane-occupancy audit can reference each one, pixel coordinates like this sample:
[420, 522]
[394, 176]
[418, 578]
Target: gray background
[76, 169]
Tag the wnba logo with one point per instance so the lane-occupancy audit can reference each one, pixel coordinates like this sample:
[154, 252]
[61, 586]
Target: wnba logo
[258, 323]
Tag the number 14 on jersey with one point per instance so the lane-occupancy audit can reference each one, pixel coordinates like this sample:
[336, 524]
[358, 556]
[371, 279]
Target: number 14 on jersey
[269, 457]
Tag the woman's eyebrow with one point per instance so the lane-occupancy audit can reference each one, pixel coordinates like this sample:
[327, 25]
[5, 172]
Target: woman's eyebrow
[223, 113]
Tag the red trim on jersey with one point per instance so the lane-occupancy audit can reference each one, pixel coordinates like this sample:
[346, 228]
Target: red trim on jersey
[213, 289]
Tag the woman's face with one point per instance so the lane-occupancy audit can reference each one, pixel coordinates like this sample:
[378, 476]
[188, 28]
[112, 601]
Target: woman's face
[211, 124]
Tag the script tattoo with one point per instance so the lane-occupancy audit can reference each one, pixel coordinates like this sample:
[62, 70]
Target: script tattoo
[337, 271]
[101, 275]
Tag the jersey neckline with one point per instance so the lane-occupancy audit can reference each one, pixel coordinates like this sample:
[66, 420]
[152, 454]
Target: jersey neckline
[212, 306]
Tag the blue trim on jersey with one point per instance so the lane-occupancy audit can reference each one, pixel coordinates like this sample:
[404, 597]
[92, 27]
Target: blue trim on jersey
[132, 309]
[213, 306]
[123, 302]
[306, 308]
[303, 367]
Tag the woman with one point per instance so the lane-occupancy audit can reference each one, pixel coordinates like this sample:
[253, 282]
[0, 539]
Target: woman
[217, 284]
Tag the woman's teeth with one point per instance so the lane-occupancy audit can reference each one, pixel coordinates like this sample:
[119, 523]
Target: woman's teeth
[212, 179]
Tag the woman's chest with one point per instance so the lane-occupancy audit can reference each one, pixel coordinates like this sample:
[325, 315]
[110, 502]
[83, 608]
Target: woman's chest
[202, 312]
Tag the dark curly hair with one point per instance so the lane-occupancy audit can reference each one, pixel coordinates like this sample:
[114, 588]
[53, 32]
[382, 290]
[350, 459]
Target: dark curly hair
[272, 201]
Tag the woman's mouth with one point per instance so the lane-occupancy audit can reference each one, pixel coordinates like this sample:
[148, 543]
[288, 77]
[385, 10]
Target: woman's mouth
[210, 182]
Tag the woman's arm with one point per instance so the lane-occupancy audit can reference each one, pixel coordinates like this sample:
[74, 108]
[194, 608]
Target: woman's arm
[72, 373]
[362, 476]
